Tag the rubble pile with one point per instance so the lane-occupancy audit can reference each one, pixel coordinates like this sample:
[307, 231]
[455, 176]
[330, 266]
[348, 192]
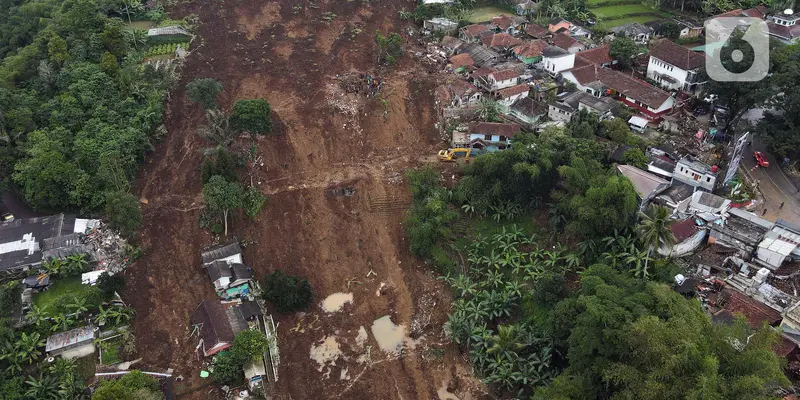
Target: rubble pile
[108, 248]
[363, 83]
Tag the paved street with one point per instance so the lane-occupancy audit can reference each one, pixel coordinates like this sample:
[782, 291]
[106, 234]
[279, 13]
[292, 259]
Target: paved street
[775, 186]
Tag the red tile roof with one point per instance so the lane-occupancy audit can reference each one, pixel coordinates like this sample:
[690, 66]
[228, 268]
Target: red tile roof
[732, 13]
[536, 31]
[756, 312]
[505, 75]
[474, 30]
[513, 91]
[597, 55]
[784, 32]
[504, 22]
[677, 55]
[500, 40]
[462, 60]
[683, 229]
[622, 83]
[531, 49]
[495, 128]
[563, 41]
[481, 72]
[784, 347]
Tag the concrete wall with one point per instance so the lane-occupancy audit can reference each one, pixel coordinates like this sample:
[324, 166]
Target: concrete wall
[685, 247]
[658, 67]
[557, 64]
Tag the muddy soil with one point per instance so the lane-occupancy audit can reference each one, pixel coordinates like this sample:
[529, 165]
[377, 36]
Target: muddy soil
[327, 143]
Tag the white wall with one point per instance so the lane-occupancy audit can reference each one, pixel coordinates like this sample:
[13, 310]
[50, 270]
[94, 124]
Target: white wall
[497, 85]
[495, 138]
[506, 103]
[685, 174]
[656, 66]
[685, 247]
[557, 114]
[557, 64]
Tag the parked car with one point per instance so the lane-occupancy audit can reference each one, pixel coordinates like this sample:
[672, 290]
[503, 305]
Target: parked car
[761, 159]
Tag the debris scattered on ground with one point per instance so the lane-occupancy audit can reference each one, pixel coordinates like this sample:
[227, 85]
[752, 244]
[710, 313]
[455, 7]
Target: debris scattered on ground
[108, 248]
[363, 83]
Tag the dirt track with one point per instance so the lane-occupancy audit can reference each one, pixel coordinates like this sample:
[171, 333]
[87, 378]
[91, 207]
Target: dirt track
[290, 57]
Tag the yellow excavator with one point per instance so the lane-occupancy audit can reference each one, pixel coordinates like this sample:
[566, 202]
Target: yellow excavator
[451, 154]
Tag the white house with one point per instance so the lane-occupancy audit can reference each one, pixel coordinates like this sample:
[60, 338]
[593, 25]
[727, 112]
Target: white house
[500, 80]
[441, 25]
[784, 27]
[555, 60]
[695, 173]
[492, 136]
[567, 104]
[225, 276]
[676, 67]
[506, 97]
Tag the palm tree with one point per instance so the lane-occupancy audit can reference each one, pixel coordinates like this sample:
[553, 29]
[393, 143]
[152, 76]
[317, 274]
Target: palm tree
[218, 130]
[52, 266]
[654, 228]
[45, 388]
[104, 315]
[77, 305]
[506, 343]
[639, 262]
[37, 316]
[77, 263]
[29, 345]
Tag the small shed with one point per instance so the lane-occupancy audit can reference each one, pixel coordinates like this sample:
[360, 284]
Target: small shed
[441, 25]
[637, 123]
[173, 33]
[74, 343]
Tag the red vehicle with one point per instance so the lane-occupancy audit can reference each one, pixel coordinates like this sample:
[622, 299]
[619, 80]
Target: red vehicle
[761, 159]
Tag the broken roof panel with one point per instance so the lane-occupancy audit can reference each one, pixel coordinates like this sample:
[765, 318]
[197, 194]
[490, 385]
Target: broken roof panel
[213, 323]
[645, 183]
[223, 252]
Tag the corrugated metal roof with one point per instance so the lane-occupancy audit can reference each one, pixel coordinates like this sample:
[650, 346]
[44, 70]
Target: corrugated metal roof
[167, 30]
[69, 338]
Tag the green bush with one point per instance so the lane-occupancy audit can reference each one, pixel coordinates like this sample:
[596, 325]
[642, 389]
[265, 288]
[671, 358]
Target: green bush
[109, 284]
[287, 293]
[132, 386]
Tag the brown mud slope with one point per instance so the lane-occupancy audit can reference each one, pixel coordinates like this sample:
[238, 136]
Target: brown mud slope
[289, 53]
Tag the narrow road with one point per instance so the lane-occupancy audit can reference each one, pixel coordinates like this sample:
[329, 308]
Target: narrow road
[774, 184]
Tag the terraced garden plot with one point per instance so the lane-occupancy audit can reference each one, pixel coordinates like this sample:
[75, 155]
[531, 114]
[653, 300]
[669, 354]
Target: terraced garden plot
[609, 12]
[606, 24]
[484, 14]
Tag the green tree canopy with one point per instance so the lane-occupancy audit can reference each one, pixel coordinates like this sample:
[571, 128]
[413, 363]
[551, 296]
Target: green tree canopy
[623, 49]
[123, 212]
[287, 293]
[204, 91]
[252, 116]
[634, 340]
[221, 196]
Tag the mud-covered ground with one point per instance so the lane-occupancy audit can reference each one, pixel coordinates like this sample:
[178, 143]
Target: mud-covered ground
[288, 53]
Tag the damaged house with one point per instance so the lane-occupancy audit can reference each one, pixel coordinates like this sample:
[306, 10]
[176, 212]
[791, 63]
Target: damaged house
[25, 243]
[225, 268]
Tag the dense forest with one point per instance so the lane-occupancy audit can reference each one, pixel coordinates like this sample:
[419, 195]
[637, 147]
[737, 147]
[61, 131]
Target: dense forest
[78, 107]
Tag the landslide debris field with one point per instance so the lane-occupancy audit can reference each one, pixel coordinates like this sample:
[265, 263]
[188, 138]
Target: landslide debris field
[333, 174]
